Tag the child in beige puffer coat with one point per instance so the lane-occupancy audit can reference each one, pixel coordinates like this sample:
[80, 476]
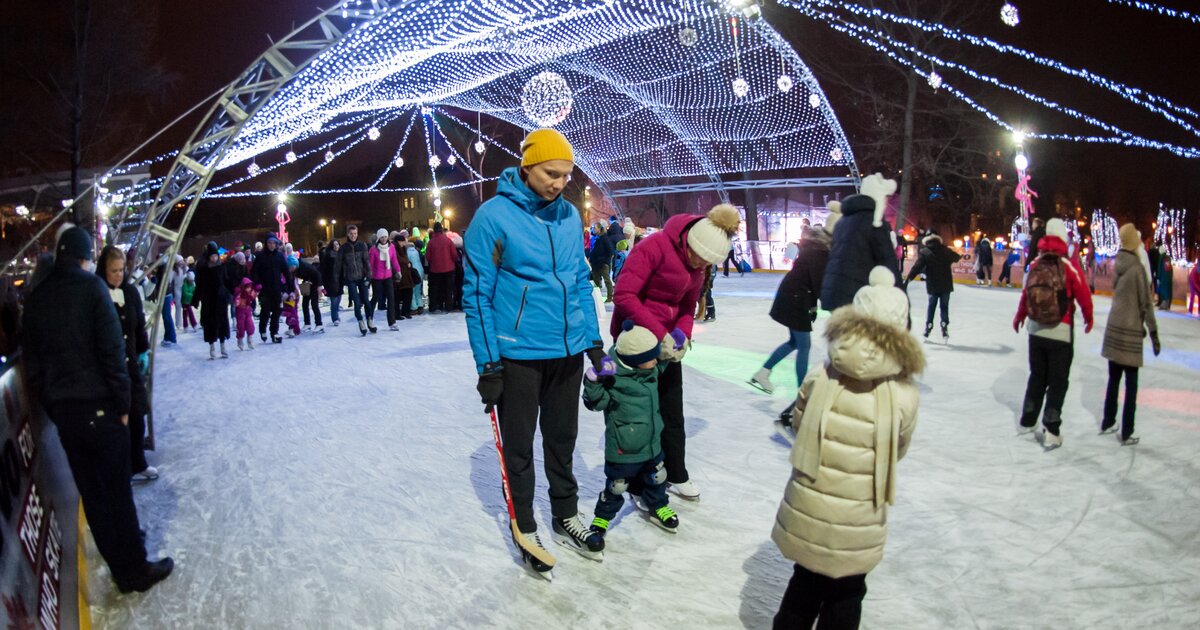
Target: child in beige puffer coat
[856, 416]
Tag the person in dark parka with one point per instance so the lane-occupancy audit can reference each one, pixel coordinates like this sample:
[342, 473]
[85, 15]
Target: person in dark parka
[600, 258]
[331, 275]
[311, 302]
[75, 364]
[128, 304]
[935, 260]
[213, 294]
[862, 240]
[270, 271]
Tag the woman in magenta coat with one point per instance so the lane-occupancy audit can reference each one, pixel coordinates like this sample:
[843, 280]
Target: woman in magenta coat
[658, 288]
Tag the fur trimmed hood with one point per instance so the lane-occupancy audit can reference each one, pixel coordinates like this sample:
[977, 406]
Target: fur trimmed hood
[931, 239]
[866, 348]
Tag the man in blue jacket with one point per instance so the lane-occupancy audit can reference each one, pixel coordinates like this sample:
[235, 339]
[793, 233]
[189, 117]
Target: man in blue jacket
[74, 353]
[531, 318]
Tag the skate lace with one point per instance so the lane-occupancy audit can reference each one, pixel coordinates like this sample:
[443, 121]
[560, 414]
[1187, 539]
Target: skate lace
[575, 528]
[664, 513]
[599, 523]
[533, 538]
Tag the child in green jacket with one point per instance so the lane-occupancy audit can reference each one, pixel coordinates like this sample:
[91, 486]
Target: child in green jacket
[633, 459]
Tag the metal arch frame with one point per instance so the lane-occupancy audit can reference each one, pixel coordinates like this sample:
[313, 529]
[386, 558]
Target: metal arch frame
[797, 182]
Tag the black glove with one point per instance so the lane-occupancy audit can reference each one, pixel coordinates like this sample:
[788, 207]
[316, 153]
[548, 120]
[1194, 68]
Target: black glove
[596, 355]
[812, 314]
[490, 388]
[1154, 343]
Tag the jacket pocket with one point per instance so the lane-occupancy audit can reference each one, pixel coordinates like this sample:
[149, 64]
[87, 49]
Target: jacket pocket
[521, 308]
[632, 437]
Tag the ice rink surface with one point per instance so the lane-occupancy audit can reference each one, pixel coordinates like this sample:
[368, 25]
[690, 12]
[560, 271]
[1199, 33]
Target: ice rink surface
[342, 482]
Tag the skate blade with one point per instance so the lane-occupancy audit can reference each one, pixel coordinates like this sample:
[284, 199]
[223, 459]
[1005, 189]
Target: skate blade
[785, 432]
[1112, 429]
[597, 556]
[547, 575]
[657, 523]
[753, 383]
[685, 497]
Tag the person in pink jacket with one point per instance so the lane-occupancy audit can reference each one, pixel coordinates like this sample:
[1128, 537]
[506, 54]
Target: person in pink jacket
[384, 266]
[1194, 289]
[443, 258]
[658, 289]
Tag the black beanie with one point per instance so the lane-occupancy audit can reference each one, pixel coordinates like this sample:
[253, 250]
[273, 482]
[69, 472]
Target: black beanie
[74, 244]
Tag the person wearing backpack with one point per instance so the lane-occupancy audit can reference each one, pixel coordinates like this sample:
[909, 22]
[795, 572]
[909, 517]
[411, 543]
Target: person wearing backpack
[1052, 288]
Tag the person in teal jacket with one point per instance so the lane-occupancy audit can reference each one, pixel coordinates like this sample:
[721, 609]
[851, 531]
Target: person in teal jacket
[531, 318]
[633, 424]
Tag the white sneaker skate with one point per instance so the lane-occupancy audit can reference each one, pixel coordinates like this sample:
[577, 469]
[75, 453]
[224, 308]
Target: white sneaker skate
[762, 380]
[686, 490]
[241, 345]
[224, 355]
[212, 351]
[319, 330]
[150, 474]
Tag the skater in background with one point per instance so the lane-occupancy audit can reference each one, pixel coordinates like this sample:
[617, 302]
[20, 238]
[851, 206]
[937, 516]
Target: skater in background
[633, 458]
[1194, 289]
[983, 262]
[130, 311]
[935, 261]
[177, 274]
[660, 286]
[356, 274]
[167, 274]
[1014, 256]
[600, 259]
[76, 367]
[442, 257]
[331, 275]
[214, 298]
[531, 318]
[857, 414]
[270, 272]
[1037, 231]
[418, 265]
[1131, 317]
[243, 312]
[619, 258]
[862, 240]
[405, 278]
[291, 298]
[1155, 254]
[1052, 289]
[310, 294]
[459, 271]
[1166, 281]
[795, 306]
[188, 298]
[384, 265]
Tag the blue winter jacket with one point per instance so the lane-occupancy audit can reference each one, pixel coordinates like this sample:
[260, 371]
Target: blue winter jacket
[526, 291]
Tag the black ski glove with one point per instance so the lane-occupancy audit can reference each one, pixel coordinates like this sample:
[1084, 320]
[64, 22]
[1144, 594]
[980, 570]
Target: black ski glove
[490, 387]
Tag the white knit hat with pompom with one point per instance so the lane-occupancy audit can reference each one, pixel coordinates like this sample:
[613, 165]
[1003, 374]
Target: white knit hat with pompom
[881, 299]
[709, 237]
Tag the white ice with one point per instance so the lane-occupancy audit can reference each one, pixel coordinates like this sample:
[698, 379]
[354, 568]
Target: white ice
[342, 482]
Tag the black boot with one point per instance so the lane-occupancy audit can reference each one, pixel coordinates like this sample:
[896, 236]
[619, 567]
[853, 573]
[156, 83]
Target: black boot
[928, 329]
[152, 573]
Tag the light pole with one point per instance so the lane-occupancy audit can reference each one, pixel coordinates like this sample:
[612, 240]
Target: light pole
[327, 227]
[1024, 193]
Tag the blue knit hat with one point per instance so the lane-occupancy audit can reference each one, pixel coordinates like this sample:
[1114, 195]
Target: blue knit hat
[292, 261]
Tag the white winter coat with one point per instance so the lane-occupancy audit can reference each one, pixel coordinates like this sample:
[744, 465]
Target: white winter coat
[857, 413]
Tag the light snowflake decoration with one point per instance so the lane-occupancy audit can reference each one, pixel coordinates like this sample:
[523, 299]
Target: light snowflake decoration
[740, 87]
[814, 100]
[836, 154]
[784, 83]
[480, 147]
[547, 99]
[452, 160]
[254, 169]
[373, 133]
[935, 79]
[434, 161]
[688, 36]
[399, 162]
[1008, 15]
[290, 157]
[329, 156]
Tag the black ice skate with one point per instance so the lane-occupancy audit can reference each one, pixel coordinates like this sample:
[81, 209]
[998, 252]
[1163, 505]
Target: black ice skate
[928, 329]
[783, 426]
[535, 566]
[574, 535]
[666, 519]
[945, 332]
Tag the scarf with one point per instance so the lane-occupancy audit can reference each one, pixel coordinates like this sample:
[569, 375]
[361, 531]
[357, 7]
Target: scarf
[384, 251]
[118, 296]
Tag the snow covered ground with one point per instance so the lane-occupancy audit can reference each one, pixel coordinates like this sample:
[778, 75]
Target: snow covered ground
[342, 482]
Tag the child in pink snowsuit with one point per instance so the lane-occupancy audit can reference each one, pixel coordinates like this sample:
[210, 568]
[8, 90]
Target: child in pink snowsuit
[243, 310]
[290, 315]
[1194, 288]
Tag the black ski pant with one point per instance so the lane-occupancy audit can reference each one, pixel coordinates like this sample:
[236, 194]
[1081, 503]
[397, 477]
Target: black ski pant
[312, 301]
[382, 300]
[97, 448]
[934, 300]
[403, 300]
[441, 291]
[1049, 372]
[1005, 274]
[459, 278]
[834, 603]
[270, 310]
[1115, 371]
[674, 438]
[545, 392]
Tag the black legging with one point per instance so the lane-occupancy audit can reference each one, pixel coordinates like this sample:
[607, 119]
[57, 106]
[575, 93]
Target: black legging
[269, 309]
[1115, 371]
[674, 438]
[312, 301]
[381, 299]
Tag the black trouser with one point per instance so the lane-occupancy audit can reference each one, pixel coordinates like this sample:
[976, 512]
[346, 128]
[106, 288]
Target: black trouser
[545, 390]
[312, 301]
[730, 259]
[834, 603]
[1115, 370]
[1049, 372]
[600, 275]
[381, 299]
[674, 438]
[456, 301]
[1005, 274]
[710, 307]
[97, 448]
[934, 300]
[403, 300]
[441, 291]
[269, 310]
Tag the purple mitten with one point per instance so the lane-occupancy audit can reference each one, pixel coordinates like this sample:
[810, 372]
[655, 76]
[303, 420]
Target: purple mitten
[590, 375]
[679, 338]
[608, 367]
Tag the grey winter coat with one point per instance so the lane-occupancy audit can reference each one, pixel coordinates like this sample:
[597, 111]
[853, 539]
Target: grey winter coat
[356, 261]
[1132, 312]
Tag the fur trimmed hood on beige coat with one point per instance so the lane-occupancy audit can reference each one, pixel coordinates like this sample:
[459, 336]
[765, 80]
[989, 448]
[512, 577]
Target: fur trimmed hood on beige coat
[856, 417]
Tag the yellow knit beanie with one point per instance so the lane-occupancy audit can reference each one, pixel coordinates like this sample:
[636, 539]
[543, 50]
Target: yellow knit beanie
[544, 145]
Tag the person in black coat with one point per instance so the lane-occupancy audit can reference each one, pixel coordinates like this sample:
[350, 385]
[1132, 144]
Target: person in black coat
[795, 306]
[935, 261]
[128, 304]
[75, 364]
[601, 261]
[213, 294]
[271, 272]
[1037, 232]
[862, 240]
[331, 275]
[983, 261]
[311, 302]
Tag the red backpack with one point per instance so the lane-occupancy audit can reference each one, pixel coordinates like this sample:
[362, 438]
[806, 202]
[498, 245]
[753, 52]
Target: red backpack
[1046, 297]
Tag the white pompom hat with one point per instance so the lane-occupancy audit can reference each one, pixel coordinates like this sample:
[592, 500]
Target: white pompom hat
[881, 299]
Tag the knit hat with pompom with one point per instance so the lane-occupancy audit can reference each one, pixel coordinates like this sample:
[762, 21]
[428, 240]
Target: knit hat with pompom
[636, 345]
[881, 299]
[1131, 239]
[709, 237]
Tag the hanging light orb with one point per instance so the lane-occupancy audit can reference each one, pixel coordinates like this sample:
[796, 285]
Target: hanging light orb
[452, 160]
[1009, 15]
[479, 146]
[399, 162]
[836, 154]
[254, 169]
[814, 100]
[740, 87]
[290, 157]
[935, 79]
[434, 161]
[688, 36]
[547, 99]
[426, 110]
[437, 201]
[373, 133]
[784, 83]
[329, 156]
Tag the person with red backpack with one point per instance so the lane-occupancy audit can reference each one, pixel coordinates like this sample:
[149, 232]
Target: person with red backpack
[1052, 288]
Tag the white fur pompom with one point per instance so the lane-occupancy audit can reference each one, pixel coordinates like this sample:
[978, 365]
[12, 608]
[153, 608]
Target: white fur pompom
[882, 277]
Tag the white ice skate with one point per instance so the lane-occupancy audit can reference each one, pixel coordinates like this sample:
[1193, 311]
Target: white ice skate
[212, 351]
[686, 490]
[1050, 441]
[249, 342]
[241, 345]
[224, 355]
[319, 330]
[762, 380]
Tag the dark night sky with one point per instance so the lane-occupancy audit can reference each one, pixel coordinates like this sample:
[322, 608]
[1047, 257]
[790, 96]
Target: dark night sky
[208, 43]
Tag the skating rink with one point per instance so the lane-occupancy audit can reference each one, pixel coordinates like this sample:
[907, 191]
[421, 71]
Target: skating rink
[344, 482]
